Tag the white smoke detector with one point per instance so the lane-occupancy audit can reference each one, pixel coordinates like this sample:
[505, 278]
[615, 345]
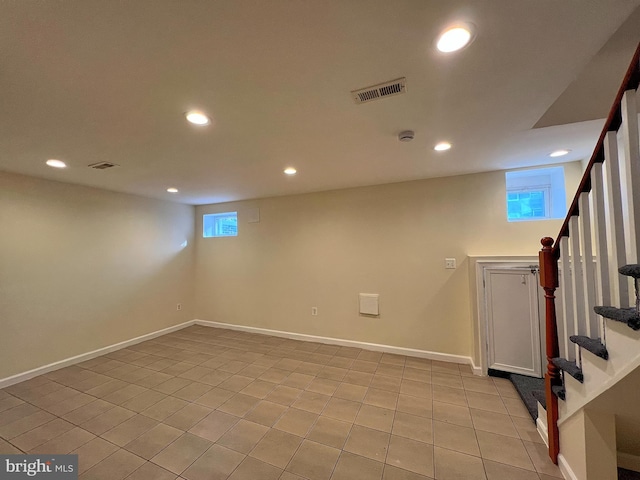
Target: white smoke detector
[406, 136]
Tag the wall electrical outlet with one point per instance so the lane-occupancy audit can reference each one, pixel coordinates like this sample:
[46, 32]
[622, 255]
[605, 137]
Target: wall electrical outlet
[449, 263]
[314, 311]
[179, 306]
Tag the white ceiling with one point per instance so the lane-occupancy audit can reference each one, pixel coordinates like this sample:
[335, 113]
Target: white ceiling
[86, 81]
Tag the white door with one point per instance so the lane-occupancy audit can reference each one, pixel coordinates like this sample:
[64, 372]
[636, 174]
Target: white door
[513, 323]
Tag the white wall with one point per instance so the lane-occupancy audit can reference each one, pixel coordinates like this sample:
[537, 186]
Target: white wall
[82, 268]
[322, 249]
[621, 401]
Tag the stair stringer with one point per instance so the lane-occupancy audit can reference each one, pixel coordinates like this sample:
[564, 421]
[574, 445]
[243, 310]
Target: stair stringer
[600, 375]
[588, 446]
[583, 455]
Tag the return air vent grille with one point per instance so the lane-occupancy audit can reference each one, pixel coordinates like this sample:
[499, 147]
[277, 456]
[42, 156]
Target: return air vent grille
[102, 165]
[375, 92]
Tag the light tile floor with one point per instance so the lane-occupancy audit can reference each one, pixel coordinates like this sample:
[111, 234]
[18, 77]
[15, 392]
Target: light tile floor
[207, 404]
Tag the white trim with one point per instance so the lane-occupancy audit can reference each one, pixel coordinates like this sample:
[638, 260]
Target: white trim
[21, 377]
[565, 469]
[482, 262]
[629, 461]
[542, 430]
[411, 352]
[477, 370]
[612, 379]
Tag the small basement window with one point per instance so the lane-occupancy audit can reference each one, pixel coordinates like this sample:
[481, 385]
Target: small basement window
[220, 225]
[536, 194]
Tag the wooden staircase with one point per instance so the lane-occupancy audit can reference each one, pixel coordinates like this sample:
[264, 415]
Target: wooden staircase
[591, 279]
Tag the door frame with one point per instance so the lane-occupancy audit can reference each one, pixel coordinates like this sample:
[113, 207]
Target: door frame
[477, 285]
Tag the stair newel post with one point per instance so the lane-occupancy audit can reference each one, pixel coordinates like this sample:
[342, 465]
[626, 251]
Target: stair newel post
[549, 282]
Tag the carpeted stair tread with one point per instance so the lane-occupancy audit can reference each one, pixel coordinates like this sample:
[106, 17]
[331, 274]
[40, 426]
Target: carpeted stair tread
[559, 391]
[541, 397]
[594, 345]
[625, 315]
[632, 270]
[624, 474]
[569, 367]
[525, 387]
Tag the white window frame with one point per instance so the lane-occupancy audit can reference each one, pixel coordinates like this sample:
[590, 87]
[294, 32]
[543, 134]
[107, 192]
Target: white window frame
[533, 188]
[549, 179]
[215, 231]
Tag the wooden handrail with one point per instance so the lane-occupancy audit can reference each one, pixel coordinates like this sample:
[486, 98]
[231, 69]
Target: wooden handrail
[550, 254]
[614, 119]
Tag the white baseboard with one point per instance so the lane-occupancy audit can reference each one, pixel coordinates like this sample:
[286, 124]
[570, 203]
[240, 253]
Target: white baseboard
[629, 461]
[21, 377]
[565, 469]
[476, 369]
[542, 430]
[410, 352]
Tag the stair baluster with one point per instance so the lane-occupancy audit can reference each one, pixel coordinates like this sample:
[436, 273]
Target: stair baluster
[577, 286]
[603, 286]
[567, 349]
[590, 319]
[603, 292]
[630, 174]
[613, 218]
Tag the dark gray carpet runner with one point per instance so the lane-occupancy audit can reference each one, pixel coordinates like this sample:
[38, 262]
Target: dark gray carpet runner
[594, 345]
[525, 387]
[624, 474]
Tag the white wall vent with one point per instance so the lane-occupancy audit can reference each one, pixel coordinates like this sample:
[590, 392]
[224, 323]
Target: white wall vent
[369, 304]
[103, 165]
[376, 92]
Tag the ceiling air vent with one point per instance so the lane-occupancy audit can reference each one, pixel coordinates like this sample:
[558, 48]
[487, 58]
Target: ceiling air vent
[102, 165]
[375, 92]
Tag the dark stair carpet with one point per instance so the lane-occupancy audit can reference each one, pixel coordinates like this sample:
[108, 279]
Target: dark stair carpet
[624, 315]
[594, 345]
[624, 474]
[525, 387]
[541, 397]
[559, 391]
[630, 270]
[569, 367]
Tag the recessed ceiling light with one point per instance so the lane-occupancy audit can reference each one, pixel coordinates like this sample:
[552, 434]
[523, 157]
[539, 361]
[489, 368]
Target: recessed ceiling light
[559, 153]
[197, 118]
[442, 146]
[56, 163]
[290, 171]
[172, 190]
[454, 38]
